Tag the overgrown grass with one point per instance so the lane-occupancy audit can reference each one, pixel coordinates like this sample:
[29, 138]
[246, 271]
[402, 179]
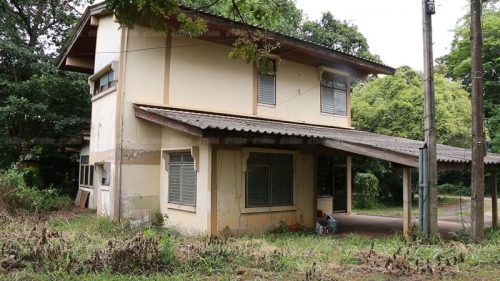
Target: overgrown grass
[276, 256]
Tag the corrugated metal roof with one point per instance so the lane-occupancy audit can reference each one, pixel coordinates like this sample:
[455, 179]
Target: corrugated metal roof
[206, 120]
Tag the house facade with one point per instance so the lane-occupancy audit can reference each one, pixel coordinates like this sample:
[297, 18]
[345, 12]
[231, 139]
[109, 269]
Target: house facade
[217, 143]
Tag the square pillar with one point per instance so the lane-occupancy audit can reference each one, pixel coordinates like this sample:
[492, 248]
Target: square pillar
[494, 198]
[406, 201]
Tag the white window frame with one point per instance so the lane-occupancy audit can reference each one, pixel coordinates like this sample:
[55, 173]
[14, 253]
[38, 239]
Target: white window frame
[335, 73]
[113, 66]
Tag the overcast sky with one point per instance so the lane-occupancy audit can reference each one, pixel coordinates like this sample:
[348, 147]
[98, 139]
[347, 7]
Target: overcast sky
[394, 27]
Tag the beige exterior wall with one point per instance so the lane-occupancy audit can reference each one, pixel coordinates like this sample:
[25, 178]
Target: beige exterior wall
[231, 211]
[107, 43]
[103, 121]
[187, 219]
[203, 77]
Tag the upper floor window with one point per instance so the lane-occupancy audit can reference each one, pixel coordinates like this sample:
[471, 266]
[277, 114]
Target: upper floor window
[181, 179]
[333, 93]
[269, 180]
[104, 82]
[266, 82]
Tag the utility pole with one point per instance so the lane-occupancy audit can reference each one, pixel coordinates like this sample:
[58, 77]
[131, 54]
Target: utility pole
[478, 145]
[429, 168]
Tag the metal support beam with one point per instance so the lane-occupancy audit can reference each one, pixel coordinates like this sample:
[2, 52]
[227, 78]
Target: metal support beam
[494, 199]
[406, 201]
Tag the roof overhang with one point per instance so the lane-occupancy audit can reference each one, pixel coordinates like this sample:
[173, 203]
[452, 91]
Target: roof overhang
[393, 149]
[79, 53]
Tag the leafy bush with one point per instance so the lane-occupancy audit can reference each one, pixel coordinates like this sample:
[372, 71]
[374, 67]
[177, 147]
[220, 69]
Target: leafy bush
[16, 195]
[453, 189]
[367, 189]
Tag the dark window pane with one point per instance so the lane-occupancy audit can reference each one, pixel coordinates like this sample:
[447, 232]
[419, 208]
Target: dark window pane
[325, 176]
[340, 82]
[256, 158]
[257, 186]
[282, 185]
[82, 174]
[91, 180]
[281, 159]
[175, 158]
[86, 178]
[327, 79]
[84, 159]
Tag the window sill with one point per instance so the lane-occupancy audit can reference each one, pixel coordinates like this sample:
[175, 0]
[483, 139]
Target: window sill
[334, 115]
[103, 93]
[267, 105]
[179, 207]
[268, 209]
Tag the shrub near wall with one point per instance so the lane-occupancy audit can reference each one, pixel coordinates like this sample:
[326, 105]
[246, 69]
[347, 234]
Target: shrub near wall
[16, 195]
[367, 190]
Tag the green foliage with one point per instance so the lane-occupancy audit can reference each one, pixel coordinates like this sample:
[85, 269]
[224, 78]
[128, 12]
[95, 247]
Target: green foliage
[41, 108]
[17, 196]
[158, 219]
[337, 34]
[457, 64]
[393, 105]
[453, 189]
[366, 185]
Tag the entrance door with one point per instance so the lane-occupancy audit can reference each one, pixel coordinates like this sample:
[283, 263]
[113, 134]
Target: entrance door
[332, 180]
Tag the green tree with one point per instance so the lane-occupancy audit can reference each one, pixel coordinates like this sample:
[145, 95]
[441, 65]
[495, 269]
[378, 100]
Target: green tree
[393, 105]
[457, 64]
[337, 34]
[41, 108]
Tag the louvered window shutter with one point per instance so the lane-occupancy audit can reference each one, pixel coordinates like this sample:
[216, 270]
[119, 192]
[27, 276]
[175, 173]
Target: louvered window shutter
[267, 84]
[333, 94]
[327, 100]
[181, 179]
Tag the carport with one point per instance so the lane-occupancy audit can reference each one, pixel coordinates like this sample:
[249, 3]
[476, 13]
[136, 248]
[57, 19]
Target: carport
[317, 139]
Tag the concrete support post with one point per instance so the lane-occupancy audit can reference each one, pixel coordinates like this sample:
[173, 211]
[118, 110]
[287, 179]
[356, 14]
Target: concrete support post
[406, 201]
[349, 185]
[494, 198]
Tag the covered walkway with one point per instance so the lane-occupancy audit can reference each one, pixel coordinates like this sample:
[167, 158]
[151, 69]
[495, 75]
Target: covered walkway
[230, 128]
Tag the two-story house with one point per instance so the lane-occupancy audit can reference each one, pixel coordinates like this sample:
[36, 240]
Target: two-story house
[217, 143]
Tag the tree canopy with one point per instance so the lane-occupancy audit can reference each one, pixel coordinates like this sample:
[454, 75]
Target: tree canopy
[394, 105]
[337, 34]
[41, 108]
[457, 64]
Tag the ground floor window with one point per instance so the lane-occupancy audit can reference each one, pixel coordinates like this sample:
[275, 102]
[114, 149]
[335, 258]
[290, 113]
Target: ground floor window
[269, 180]
[86, 172]
[181, 179]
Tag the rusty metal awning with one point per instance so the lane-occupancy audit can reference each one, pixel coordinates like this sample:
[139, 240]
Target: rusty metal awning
[394, 149]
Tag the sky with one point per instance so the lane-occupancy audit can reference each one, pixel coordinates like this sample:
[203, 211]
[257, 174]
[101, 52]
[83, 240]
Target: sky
[393, 28]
